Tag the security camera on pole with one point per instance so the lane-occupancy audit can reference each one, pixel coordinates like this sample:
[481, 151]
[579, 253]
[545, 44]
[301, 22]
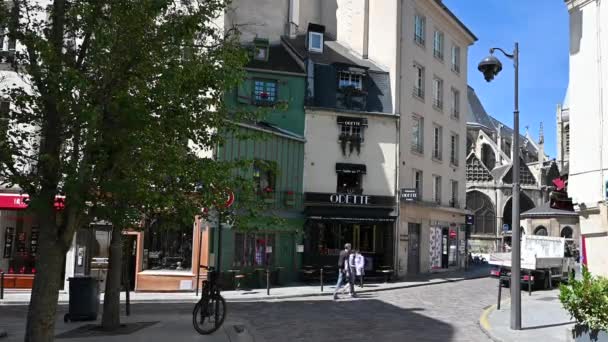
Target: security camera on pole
[490, 67]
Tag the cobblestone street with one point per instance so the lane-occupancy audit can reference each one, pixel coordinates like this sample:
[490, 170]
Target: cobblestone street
[434, 312]
[444, 312]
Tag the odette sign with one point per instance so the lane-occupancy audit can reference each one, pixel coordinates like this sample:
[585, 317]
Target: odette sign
[349, 199]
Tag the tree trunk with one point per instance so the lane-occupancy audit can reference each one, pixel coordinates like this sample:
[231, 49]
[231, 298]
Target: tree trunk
[40, 326]
[111, 300]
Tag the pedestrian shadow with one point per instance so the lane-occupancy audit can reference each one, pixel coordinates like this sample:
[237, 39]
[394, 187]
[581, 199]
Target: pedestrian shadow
[363, 319]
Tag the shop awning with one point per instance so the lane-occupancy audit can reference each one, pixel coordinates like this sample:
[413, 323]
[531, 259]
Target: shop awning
[351, 168]
[349, 214]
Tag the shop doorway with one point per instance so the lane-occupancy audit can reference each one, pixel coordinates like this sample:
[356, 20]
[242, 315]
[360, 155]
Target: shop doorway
[413, 257]
[129, 261]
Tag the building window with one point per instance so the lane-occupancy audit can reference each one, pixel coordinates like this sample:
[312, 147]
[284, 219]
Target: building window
[168, 245]
[265, 92]
[417, 134]
[437, 189]
[264, 177]
[455, 103]
[418, 183]
[437, 142]
[567, 140]
[454, 200]
[349, 183]
[352, 131]
[567, 233]
[438, 45]
[454, 149]
[260, 49]
[437, 93]
[456, 58]
[315, 41]
[251, 249]
[419, 29]
[540, 230]
[348, 79]
[419, 81]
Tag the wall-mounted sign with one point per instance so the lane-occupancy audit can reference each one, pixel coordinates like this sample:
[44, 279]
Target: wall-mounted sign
[349, 199]
[9, 235]
[34, 241]
[300, 248]
[453, 234]
[505, 227]
[469, 219]
[350, 121]
[409, 195]
[268, 249]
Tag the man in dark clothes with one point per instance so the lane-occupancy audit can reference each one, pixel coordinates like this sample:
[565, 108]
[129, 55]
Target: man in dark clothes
[344, 273]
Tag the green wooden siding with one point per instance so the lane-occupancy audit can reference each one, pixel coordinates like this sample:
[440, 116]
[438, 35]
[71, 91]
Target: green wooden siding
[290, 89]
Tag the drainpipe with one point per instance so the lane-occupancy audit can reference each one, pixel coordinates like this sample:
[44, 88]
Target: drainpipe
[601, 99]
[294, 17]
[365, 30]
[397, 110]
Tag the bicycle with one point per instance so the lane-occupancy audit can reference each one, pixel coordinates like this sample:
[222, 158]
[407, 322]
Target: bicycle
[210, 311]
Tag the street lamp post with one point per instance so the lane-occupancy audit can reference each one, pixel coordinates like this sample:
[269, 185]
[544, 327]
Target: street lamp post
[490, 67]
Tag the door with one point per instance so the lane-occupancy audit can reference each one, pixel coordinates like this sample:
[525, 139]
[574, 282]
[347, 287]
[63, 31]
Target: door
[445, 247]
[413, 257]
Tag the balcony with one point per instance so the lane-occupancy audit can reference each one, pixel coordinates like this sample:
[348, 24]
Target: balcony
[351, 98]
[418, 92]
[455, 113]
[438, 104]
[419, 39]
[438, 54]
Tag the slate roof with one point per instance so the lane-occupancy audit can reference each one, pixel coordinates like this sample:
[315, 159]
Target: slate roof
[545, 210]
[477, 115]
[333, 53]
[278, 60]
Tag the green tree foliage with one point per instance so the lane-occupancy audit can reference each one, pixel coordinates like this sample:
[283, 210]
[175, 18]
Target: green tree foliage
[114, 105]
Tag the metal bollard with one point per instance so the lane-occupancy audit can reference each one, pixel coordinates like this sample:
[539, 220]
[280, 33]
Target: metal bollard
[267, 282]
[321, 279]
[1, 285]
[128, 298]
[499, 292]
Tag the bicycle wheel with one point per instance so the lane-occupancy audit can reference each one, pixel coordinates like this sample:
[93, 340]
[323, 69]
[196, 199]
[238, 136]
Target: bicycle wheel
[209, 314]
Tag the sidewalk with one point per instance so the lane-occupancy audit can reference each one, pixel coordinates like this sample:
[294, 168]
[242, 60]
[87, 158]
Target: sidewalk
[543, 319]
[21, 297]
[143, 327]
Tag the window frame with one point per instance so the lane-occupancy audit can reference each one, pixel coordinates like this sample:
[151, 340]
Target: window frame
[456, 58]
[438, 52]
[437, 93]
[437, 142]
[349, 76]
[437, 189]
[454, 151]
[455, 113]
[420, 25]
[265, 83]
[310, 41]
[356, 190]
[454, 200]
[418, 182]
[418, 90]
[418, 148]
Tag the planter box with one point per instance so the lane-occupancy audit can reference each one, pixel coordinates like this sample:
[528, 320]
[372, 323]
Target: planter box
[583, 334]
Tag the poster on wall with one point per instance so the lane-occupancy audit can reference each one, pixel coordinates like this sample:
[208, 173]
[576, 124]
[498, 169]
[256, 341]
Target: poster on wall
[435, 247]
[34, 241]
[9, 235]
[21, 239]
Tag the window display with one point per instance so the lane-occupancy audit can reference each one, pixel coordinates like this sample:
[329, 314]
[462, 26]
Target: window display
[253, 249]
[168, 246]
[19, 237]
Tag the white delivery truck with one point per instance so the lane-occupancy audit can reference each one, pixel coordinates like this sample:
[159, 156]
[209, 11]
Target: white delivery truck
[543, 261]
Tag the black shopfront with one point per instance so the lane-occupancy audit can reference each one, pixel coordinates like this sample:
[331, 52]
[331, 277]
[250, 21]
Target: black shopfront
[334, 219]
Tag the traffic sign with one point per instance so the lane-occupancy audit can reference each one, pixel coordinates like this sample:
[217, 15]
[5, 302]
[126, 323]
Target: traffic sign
[230, 200]
[469, 219]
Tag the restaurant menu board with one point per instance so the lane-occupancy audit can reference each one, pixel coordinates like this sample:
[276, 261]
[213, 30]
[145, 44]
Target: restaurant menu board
[9, 235]
[34, 241]
[21, 239]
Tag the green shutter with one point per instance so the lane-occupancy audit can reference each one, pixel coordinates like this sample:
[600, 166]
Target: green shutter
[245, 91]
[283, 91]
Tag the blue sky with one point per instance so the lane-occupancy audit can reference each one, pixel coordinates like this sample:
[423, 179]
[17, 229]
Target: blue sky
[541, 28]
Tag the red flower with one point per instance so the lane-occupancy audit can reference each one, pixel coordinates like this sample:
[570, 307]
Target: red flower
[289, 192]
[264, 95]
[268, 189]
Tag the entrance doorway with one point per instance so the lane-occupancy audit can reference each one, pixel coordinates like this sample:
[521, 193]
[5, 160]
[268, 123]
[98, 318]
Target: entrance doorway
[413, 257]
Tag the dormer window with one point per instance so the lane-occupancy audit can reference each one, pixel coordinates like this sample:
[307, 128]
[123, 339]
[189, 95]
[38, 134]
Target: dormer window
[315, 37]
[260, 49]
[315, 41]
[348, 79]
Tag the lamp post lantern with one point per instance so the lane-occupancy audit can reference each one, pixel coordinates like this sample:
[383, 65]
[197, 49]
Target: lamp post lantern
[490, 67]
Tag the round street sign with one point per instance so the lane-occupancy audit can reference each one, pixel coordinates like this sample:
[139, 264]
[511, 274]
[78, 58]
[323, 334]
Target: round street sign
[230, 200]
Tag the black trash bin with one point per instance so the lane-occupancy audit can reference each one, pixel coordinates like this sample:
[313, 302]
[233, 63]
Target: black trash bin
[84, 299]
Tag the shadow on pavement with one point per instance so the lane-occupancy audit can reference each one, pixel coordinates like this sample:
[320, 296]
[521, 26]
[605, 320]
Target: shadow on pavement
[349, 319]
[547, 326]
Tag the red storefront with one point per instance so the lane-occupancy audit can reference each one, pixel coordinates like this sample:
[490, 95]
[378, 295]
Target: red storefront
[19, 232]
